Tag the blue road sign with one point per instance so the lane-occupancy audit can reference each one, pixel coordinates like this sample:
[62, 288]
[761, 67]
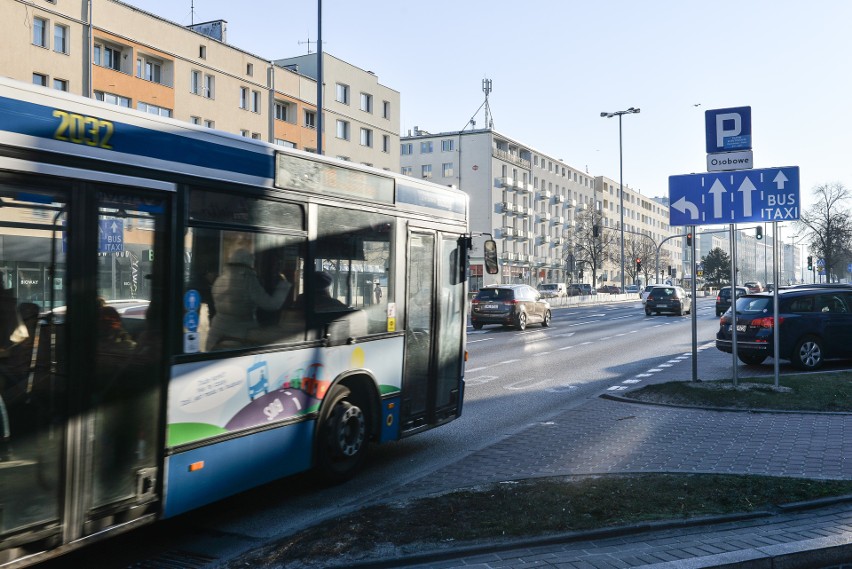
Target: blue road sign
[712, 198]
[110, 236]
[728, 129]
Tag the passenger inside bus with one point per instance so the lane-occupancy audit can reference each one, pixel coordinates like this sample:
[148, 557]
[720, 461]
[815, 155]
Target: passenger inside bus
[238, 293]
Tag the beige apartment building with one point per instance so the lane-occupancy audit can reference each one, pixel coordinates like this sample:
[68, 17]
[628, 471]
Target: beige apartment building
[530, 203]
[117, 53]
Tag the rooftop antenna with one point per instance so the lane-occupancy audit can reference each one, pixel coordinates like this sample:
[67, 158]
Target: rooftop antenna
[192, 13]
[486, 88]
[309, 42]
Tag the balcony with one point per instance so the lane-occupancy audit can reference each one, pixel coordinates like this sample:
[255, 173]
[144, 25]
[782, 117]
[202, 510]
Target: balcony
[545, 195]
[558, 219]
[509, 157]
[545, 238]
[545, 216]
[508, 232]
[507, 182]
[523, 211]
[526, 188]
[570, 203]
[558, 198]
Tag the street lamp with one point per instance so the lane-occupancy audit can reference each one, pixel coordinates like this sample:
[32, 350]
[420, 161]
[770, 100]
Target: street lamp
[630, 111]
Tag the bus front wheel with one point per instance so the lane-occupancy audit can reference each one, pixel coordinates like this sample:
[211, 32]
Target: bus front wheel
[342, 437]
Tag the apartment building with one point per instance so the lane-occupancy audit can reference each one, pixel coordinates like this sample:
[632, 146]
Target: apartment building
[527, 200]
[361, 115]
[117, 53]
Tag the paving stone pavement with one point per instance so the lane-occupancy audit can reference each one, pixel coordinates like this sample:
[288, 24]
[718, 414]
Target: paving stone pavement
[617, 436]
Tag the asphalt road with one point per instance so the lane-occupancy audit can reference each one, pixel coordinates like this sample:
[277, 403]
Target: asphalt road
[513, 378]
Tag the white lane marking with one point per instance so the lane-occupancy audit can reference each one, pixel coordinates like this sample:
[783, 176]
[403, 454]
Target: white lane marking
[471, 382]
[656, 369]
[617, 388]
[473, 369]
[542, 354]
[506, 362]
[585, 343]
[665, 365]
[525, 384]
[632, 381]
[644, 375]
[482, 340]
[565, 348]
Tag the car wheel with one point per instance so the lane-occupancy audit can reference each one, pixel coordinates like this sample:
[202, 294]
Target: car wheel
[751, 359]
[477, 325]
[522, 321]
[547, 317]
[808, 354]
[342, 437]
[647, 312]
[718, 314]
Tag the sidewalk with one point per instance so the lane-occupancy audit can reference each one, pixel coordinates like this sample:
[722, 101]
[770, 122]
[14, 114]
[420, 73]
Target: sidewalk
[613, 435]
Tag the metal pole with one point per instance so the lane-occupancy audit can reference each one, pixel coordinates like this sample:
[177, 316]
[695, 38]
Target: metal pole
[776, 328]
[320, 122]
[621, 199]
[734, 300]
[692, 313]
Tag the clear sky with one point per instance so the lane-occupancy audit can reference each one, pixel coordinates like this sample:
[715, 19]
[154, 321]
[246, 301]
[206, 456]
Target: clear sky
[556, 64]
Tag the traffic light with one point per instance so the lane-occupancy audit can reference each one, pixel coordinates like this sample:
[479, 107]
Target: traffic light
[638, 265]
[758, 233]
[810, 263]
[689, 239]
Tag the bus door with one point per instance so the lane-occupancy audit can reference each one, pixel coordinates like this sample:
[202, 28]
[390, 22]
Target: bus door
[80, 359]
[434, 333]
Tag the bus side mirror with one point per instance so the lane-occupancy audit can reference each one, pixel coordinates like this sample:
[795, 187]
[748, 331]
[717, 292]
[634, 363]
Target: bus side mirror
[491, 264]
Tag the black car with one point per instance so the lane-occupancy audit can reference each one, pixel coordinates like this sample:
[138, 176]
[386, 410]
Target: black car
[668, 298]
[815, 325]
[723, 298]
[509, 305]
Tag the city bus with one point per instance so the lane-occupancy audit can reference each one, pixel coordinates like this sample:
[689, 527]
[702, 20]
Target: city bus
[188, 314]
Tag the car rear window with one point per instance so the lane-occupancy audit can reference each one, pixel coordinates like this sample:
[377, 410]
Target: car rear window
[494, 294]
[754, 305]
[659, 291]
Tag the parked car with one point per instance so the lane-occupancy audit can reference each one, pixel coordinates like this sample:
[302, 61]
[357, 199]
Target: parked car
[632, 289]
[723, 298]
[610, 289]
[580, 289]
[754, 286]
[667, 298]
[552, 290]
[509, 305]
[815, 324]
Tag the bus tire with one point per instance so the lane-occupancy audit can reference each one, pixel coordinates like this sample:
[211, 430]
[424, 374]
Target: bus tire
[341, 445]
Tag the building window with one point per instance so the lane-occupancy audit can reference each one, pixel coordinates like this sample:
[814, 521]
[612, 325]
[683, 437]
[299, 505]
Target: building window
[285, 143]
[153, 72]
[40, 32]
[255, 101]
[448, 145]
[366, 102]
[195, 82]
[112, 99]
[60, 38]
[426, 171]
[426, 147]
[406, 171]
[386, 142]
[195, 120]
[282, 111]
[447, 169]
[407, 148]
[39, 79]
[386, 110]
[343, 93]
[244, 98]
[343, 130]
[366, 137]
[255, 136]
[210, 124]
[107, 56]
[60, 84]
[153, 109]
[244, 133]
[250, 69]
[310, 119]
[209, 86]
[202, 52]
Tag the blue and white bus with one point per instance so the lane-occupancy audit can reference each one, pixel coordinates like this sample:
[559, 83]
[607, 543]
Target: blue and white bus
[187, 314]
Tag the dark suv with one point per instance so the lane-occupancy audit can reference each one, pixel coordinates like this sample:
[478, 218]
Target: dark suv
[815, 325]
[509, 305]
[723, 298]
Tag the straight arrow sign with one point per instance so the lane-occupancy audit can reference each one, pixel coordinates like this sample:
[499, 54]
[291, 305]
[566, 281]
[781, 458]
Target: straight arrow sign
[713, 198]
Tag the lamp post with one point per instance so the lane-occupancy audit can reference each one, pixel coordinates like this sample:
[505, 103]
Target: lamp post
[630, 111]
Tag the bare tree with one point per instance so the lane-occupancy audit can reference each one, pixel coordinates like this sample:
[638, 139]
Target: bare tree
[827, 225]
[593, 243]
